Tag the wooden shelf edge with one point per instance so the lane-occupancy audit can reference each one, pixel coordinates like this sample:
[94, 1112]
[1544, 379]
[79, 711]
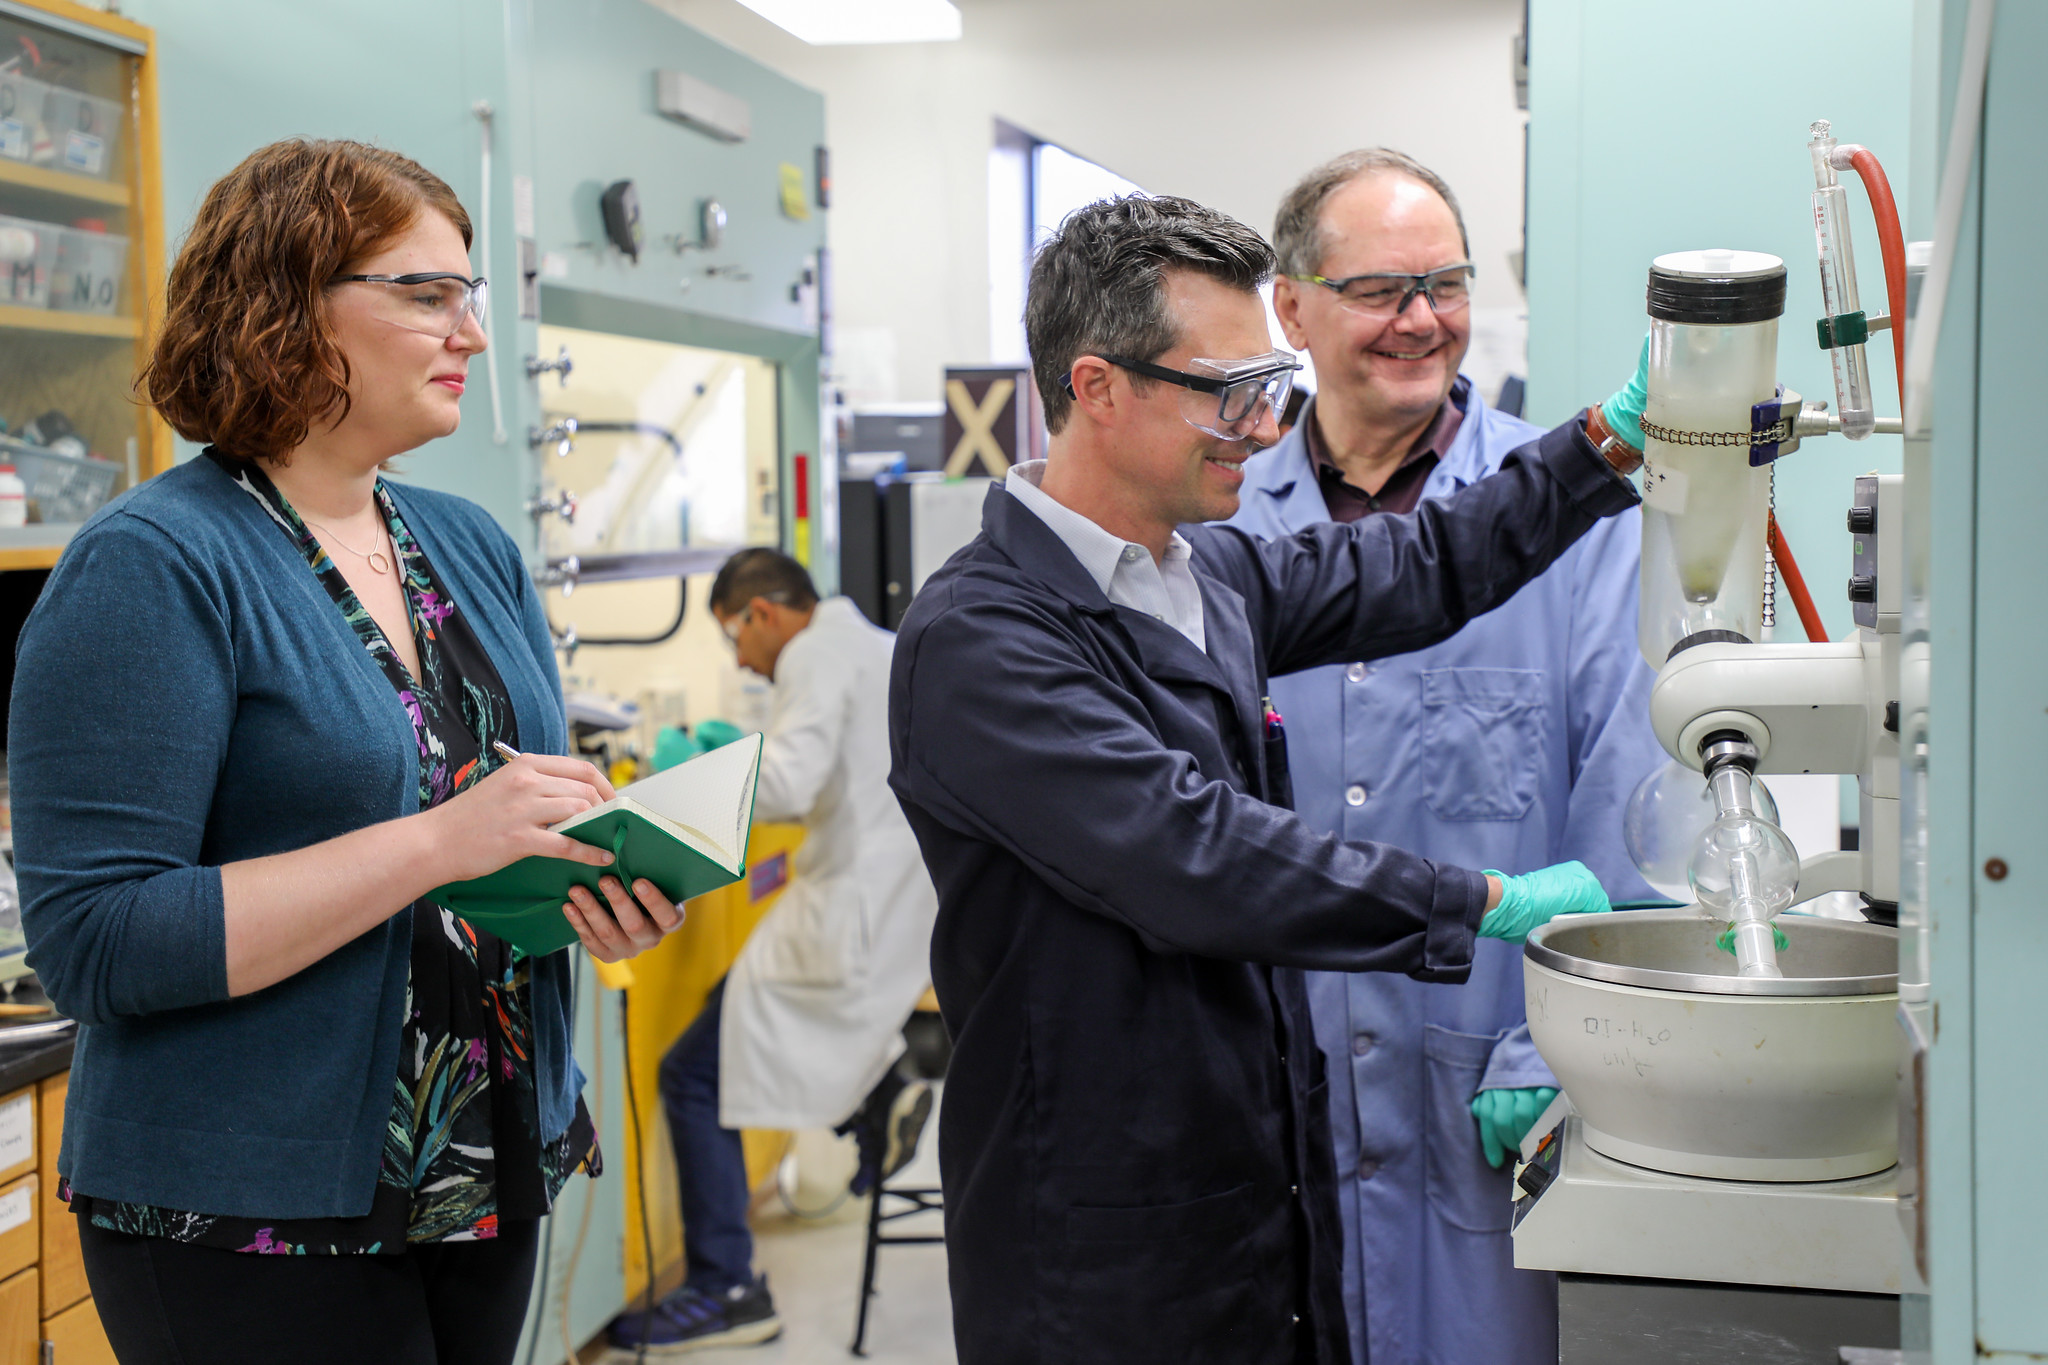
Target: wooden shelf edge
[63, 182]
[16, 319]
[97, 18]
[33, 557]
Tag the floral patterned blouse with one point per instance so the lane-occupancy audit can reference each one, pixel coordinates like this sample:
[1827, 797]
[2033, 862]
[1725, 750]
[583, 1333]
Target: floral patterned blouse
[462, 1148]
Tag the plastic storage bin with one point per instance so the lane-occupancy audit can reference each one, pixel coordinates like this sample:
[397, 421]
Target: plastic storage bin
[83, 131]
[89, 272]
[28, 259]
[61, 488]
[21, 115]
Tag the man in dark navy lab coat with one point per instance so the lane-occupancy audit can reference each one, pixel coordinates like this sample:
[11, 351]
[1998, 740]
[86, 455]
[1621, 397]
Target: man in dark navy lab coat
[1134, 1138]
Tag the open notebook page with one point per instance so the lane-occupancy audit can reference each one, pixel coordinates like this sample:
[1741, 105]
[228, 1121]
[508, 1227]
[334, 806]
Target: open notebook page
[708, 799]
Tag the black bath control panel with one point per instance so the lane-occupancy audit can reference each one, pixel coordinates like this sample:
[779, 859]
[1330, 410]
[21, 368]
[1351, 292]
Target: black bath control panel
[1539, 1172]
[1863, 552]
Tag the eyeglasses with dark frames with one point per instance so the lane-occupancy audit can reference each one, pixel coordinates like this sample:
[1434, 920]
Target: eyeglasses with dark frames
[434, 303]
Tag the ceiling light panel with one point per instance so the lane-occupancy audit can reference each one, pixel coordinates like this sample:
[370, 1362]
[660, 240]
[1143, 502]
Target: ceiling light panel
[824, 22]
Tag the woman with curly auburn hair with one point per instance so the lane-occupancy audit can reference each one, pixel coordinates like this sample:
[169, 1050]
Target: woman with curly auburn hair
[256, 718]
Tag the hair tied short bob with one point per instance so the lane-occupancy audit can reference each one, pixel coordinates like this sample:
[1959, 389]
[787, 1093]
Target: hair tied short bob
[246, 360]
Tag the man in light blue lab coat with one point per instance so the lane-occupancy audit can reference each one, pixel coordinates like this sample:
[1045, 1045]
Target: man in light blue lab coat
[1513, 745]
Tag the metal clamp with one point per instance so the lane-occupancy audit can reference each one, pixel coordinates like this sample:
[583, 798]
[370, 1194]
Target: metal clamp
[561, 435]
[1843, 329]
[1775, 434]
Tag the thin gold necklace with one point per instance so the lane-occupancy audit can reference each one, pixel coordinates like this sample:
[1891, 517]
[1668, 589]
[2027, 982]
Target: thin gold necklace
[376, 559]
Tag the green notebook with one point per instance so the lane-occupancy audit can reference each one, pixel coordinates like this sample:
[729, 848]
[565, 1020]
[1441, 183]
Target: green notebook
[684, 829]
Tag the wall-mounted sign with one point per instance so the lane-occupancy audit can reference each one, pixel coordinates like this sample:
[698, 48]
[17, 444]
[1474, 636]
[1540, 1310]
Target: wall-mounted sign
[990, 420]
[796, 194]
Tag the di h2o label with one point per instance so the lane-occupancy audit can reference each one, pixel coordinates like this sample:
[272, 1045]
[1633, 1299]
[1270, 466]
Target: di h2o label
[1631, 1042]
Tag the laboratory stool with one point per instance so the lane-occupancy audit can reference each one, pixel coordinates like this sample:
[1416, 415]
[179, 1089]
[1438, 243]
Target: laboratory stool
[929, 1051]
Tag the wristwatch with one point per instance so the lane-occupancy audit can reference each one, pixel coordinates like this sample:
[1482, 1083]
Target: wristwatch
[1622, 457]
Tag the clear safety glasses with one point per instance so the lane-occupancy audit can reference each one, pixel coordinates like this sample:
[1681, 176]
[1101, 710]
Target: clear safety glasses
[1387, 294]
[1227, 399]
[433, 304]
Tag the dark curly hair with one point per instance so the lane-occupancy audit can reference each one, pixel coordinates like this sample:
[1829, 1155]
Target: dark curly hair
[1098, 284]
[246, 358]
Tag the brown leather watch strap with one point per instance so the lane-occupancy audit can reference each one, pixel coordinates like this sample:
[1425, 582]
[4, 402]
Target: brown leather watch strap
[1622, 457]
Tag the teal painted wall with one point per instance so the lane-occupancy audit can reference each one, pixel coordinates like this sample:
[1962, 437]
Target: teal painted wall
[572, 86]
[2007, 722]
[1658, 127]
[237, 74]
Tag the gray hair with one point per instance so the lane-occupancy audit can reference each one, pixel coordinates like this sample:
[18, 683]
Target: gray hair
[1297, 228]
[1097, 286]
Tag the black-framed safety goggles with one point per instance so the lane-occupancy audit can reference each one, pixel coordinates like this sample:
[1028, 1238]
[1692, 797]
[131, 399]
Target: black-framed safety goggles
[1387, 294]
[1227, 399]
[433, 303]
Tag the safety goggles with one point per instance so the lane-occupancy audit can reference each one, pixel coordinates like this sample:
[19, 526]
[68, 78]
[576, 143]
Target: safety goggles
[433, 304]
[1387, 294]
[1227, 399]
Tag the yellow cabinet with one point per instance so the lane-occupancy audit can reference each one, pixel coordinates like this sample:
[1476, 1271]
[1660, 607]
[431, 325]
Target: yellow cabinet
[75, 1337]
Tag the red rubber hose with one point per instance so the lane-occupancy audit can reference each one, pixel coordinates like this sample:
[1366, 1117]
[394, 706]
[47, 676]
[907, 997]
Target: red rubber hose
[1891, 241]
[1795, 584]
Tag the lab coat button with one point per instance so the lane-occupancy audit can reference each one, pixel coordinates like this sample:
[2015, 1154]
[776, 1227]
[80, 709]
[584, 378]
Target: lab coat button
[1355, 673]
[1354, 795]
[1361, 1043]
[1367, 1168]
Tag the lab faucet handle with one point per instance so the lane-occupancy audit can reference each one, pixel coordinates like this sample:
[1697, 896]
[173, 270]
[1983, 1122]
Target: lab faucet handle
[561, 435]
[563, 505]
[560, 365]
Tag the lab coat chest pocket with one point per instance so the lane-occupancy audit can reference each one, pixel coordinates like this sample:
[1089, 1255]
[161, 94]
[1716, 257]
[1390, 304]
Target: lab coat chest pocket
[1482, 742]
[1463, 1190]
[816, 935]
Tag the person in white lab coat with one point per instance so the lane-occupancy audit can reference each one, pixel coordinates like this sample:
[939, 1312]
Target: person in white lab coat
[805, 1030]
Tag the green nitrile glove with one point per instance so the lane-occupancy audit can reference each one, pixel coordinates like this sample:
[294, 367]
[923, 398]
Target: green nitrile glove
[1624, 412]
[1727, 940]
[716, 734]
[672, 746]
[1539, 897]
[1505, 1117]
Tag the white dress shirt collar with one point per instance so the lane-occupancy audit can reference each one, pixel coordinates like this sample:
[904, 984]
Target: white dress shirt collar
[1125, 570]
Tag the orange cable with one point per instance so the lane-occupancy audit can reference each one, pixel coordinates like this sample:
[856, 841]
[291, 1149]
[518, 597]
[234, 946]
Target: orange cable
[1795, 584]
[1891, 241]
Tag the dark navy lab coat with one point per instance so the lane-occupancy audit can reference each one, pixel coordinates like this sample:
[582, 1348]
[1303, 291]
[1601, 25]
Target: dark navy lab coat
[1135, 1143]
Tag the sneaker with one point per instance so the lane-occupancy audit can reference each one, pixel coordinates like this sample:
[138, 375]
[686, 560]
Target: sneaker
[691, 1320]
[907, 1117]
[870, 1129]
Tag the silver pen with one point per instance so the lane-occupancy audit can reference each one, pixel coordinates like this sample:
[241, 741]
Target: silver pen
[505, 751]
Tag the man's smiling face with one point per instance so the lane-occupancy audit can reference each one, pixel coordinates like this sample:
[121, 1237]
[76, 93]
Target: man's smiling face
[1401, 367]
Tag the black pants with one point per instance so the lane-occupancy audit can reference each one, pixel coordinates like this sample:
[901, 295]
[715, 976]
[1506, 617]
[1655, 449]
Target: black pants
[444, 1303]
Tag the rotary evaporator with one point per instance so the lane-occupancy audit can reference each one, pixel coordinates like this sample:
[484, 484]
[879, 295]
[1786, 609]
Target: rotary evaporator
[1722, 1165]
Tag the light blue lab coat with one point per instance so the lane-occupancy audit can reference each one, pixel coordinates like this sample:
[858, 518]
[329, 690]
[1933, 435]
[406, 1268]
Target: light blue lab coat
[1513, 745]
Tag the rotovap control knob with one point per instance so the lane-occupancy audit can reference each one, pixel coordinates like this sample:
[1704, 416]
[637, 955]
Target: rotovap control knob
[1863, 588]
[1862, 520]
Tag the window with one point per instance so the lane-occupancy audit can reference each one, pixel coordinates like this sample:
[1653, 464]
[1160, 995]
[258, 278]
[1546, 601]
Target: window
[1033, 186]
